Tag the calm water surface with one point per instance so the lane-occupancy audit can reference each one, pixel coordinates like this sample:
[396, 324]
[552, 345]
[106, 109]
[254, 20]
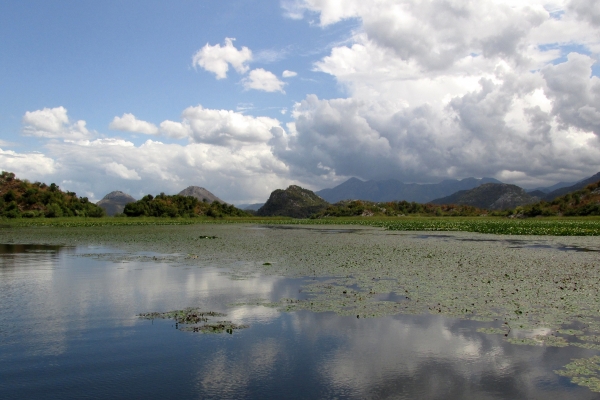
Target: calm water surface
[68, 329]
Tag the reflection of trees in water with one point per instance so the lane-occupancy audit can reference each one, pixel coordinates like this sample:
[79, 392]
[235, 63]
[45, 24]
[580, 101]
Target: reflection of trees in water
[27, 255]
[29, 248]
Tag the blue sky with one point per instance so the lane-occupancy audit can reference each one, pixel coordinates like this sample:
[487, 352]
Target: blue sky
[101, 59]
[112, 95]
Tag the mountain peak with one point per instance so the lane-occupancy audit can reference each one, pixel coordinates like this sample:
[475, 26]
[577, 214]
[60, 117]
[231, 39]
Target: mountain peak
[200, 193]
[115, 202]
[117, 194]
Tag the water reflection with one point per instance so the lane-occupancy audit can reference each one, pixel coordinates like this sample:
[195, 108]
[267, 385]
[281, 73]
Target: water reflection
[28, 255]
[68, 329]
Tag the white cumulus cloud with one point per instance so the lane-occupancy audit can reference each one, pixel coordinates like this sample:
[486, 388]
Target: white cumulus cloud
[452, 89]
[32, 166]
[289, 74]
[53, 123]
[217, 58]
[242, 174]
[121, 171]
[226, 127]
[129, 123]
[260, 79]
[175, 130]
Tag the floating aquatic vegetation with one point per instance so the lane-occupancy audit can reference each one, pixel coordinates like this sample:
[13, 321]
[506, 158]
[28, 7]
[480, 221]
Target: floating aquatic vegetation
[541, 340]
[191, 317]
[215, 327]
[493, 331]
[185, 316]
[588, 226]
[583, 372]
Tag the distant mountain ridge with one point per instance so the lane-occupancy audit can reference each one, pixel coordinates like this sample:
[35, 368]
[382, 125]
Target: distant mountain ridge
[490, 196]
[251, 206]
[394, 190]
[577, 186]
[115, 202]
[548, 189]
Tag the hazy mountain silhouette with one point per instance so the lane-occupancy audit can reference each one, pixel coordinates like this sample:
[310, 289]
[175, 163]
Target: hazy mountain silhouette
[251, 207]
[491, 196]
[394, 190]
[577, 186]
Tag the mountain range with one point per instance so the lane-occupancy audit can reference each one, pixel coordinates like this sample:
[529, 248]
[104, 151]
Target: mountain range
[490, 196]
[572, 188]
[446, 192]
[393, 190]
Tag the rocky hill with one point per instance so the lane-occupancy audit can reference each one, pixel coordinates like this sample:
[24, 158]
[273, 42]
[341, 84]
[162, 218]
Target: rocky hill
[394, 190]
[578, 186]
[491, 196]
[295, 202]
[200, 193]
[20, 198]
[115, 202]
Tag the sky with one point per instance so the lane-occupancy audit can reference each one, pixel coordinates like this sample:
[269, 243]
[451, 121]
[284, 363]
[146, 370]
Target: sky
[245, 97]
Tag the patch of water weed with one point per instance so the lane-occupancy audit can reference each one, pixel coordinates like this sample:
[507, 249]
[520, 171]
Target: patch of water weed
[493, 331]
[215, 327]
[583, 372]
[192, 317]
[540, 340]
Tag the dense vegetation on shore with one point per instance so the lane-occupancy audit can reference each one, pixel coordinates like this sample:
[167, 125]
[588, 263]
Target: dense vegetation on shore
[352, 208]
[180, 206]
[20, 198]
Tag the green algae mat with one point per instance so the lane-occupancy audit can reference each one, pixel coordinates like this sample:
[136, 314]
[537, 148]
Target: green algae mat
[529, 290]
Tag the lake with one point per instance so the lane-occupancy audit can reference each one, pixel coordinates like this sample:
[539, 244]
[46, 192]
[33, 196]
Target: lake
[70, 324]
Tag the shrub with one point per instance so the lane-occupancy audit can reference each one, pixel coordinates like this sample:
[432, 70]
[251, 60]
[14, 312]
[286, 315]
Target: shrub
[54, 211]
